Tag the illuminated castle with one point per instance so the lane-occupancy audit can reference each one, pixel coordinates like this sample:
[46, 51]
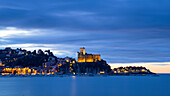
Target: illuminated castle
[84, 57]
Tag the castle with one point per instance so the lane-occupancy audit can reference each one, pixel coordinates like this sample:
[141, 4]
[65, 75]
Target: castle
[84, 57]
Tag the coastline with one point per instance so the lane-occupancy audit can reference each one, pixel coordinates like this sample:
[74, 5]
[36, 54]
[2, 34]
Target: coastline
[90, 75]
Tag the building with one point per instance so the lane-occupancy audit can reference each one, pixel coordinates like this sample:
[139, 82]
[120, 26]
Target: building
[130, 69]
[84, 57]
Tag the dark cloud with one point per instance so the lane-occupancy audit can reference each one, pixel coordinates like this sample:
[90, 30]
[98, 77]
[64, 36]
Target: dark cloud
[160, 64]
[86, 15]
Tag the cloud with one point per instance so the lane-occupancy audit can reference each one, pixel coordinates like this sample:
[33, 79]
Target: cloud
[73, 13]
[9, 32]
[86, 15]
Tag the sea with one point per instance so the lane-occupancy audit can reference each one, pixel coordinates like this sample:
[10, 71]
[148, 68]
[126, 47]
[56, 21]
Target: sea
[86, 86]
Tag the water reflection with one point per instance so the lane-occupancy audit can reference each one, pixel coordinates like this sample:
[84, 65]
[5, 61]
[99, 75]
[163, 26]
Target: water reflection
[73, 86]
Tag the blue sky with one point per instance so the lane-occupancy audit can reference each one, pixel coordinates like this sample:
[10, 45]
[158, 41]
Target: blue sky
[122, 31]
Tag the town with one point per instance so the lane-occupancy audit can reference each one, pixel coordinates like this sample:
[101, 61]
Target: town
[20, 62]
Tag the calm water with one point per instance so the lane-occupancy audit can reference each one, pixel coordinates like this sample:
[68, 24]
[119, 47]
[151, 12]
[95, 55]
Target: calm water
[86, 86]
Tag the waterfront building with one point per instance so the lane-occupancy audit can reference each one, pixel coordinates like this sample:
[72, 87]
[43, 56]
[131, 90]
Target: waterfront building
[18, 70]
[130, 69]
[85, 57]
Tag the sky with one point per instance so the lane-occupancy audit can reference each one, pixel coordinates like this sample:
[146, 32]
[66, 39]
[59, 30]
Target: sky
[124, 32]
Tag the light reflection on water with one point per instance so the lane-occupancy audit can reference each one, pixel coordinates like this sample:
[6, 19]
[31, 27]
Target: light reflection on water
[86, 86]
[73, 89]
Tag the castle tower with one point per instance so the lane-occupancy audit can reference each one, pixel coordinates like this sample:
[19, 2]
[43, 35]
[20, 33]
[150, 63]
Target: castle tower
[84, 57]
[82, 51]
[81, 55]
